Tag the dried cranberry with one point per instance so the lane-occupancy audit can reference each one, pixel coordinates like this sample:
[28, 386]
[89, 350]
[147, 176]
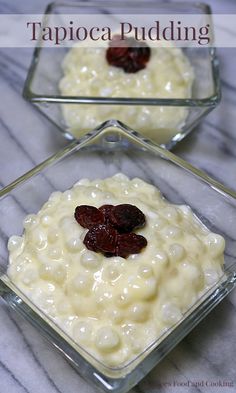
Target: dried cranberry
[128, 54]
[109, 228]
[102, 237]
[130, 243]
[126, 217]
[106, 211]
[90, 240]
[88, 216]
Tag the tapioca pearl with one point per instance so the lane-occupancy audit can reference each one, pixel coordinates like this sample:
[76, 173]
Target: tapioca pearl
[121, 177]
[84, 305]
[145, 289]
[97, 183]
[54, 253]
[15, 243]
[30, 221]
[191, 271]
[118, 261]
[152, 215]
[103, 300]
[74, 230]
[135, 345]
[175, 286]
[149, 332]
[53, 235]
[138, 183]
[135, 257]
[172, 232]
[68, 196]
[78, 191]
[82, 332]
[107, 339]
[126, 191]
[171, 214]
[63, 307]
[115, 358]
[138, 312]
[145, 271]
[112, 272]
[143, 198]
[55, 197]
[46, 220]
[170, 313]
[73, 244]
[48, 207]
[215, 244]
[153, 191]
[211, 276]
[45, 270]
[160, 258]
[59, 273]
[13, 271]
[90, 260]
[194, 245]
[94, 193]
[129, 330]
[43, 300]
[66, 321]
[30, 275]
[159, 223]
[38, 238]
[115, 316]
[82, 283]
[123, 300]
[199, 229]
[23, 260]
[109, 196]
[124, 185]
[176, 252]
[50, 309]
[66, 222]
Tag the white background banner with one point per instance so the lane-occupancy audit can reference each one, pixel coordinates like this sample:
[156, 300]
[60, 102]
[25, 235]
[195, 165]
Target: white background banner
[54, 30]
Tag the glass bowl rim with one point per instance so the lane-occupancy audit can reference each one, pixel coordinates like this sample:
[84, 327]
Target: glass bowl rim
[113, 126]
[210, 101]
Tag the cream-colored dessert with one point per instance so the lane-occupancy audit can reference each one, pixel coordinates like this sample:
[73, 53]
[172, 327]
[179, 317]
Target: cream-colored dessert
[115, 307]
[168, 74]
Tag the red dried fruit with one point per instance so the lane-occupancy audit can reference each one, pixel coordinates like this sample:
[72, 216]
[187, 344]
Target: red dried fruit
[130, 243]
[104, 224]
[90, 240]
[101, 238]
[128, 54]
[88, 216]
[106, 211]
[126, 217]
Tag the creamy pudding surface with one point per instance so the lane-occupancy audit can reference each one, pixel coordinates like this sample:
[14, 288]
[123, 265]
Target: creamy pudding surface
[86, 72]
[115, 307]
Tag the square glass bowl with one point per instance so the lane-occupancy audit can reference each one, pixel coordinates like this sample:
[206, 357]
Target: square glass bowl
[179, 182]
[42, 83]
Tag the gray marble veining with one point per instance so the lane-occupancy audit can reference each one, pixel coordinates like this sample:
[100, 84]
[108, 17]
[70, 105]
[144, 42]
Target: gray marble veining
[205, 360]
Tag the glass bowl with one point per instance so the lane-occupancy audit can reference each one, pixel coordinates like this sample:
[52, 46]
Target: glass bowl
[178, 181]
[41, 86]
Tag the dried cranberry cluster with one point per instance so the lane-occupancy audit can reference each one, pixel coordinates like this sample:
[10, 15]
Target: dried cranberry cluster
[110, 229]
[128, 54]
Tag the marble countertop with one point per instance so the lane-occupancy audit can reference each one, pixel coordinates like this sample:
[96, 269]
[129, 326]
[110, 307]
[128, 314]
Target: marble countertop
[207, 355]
